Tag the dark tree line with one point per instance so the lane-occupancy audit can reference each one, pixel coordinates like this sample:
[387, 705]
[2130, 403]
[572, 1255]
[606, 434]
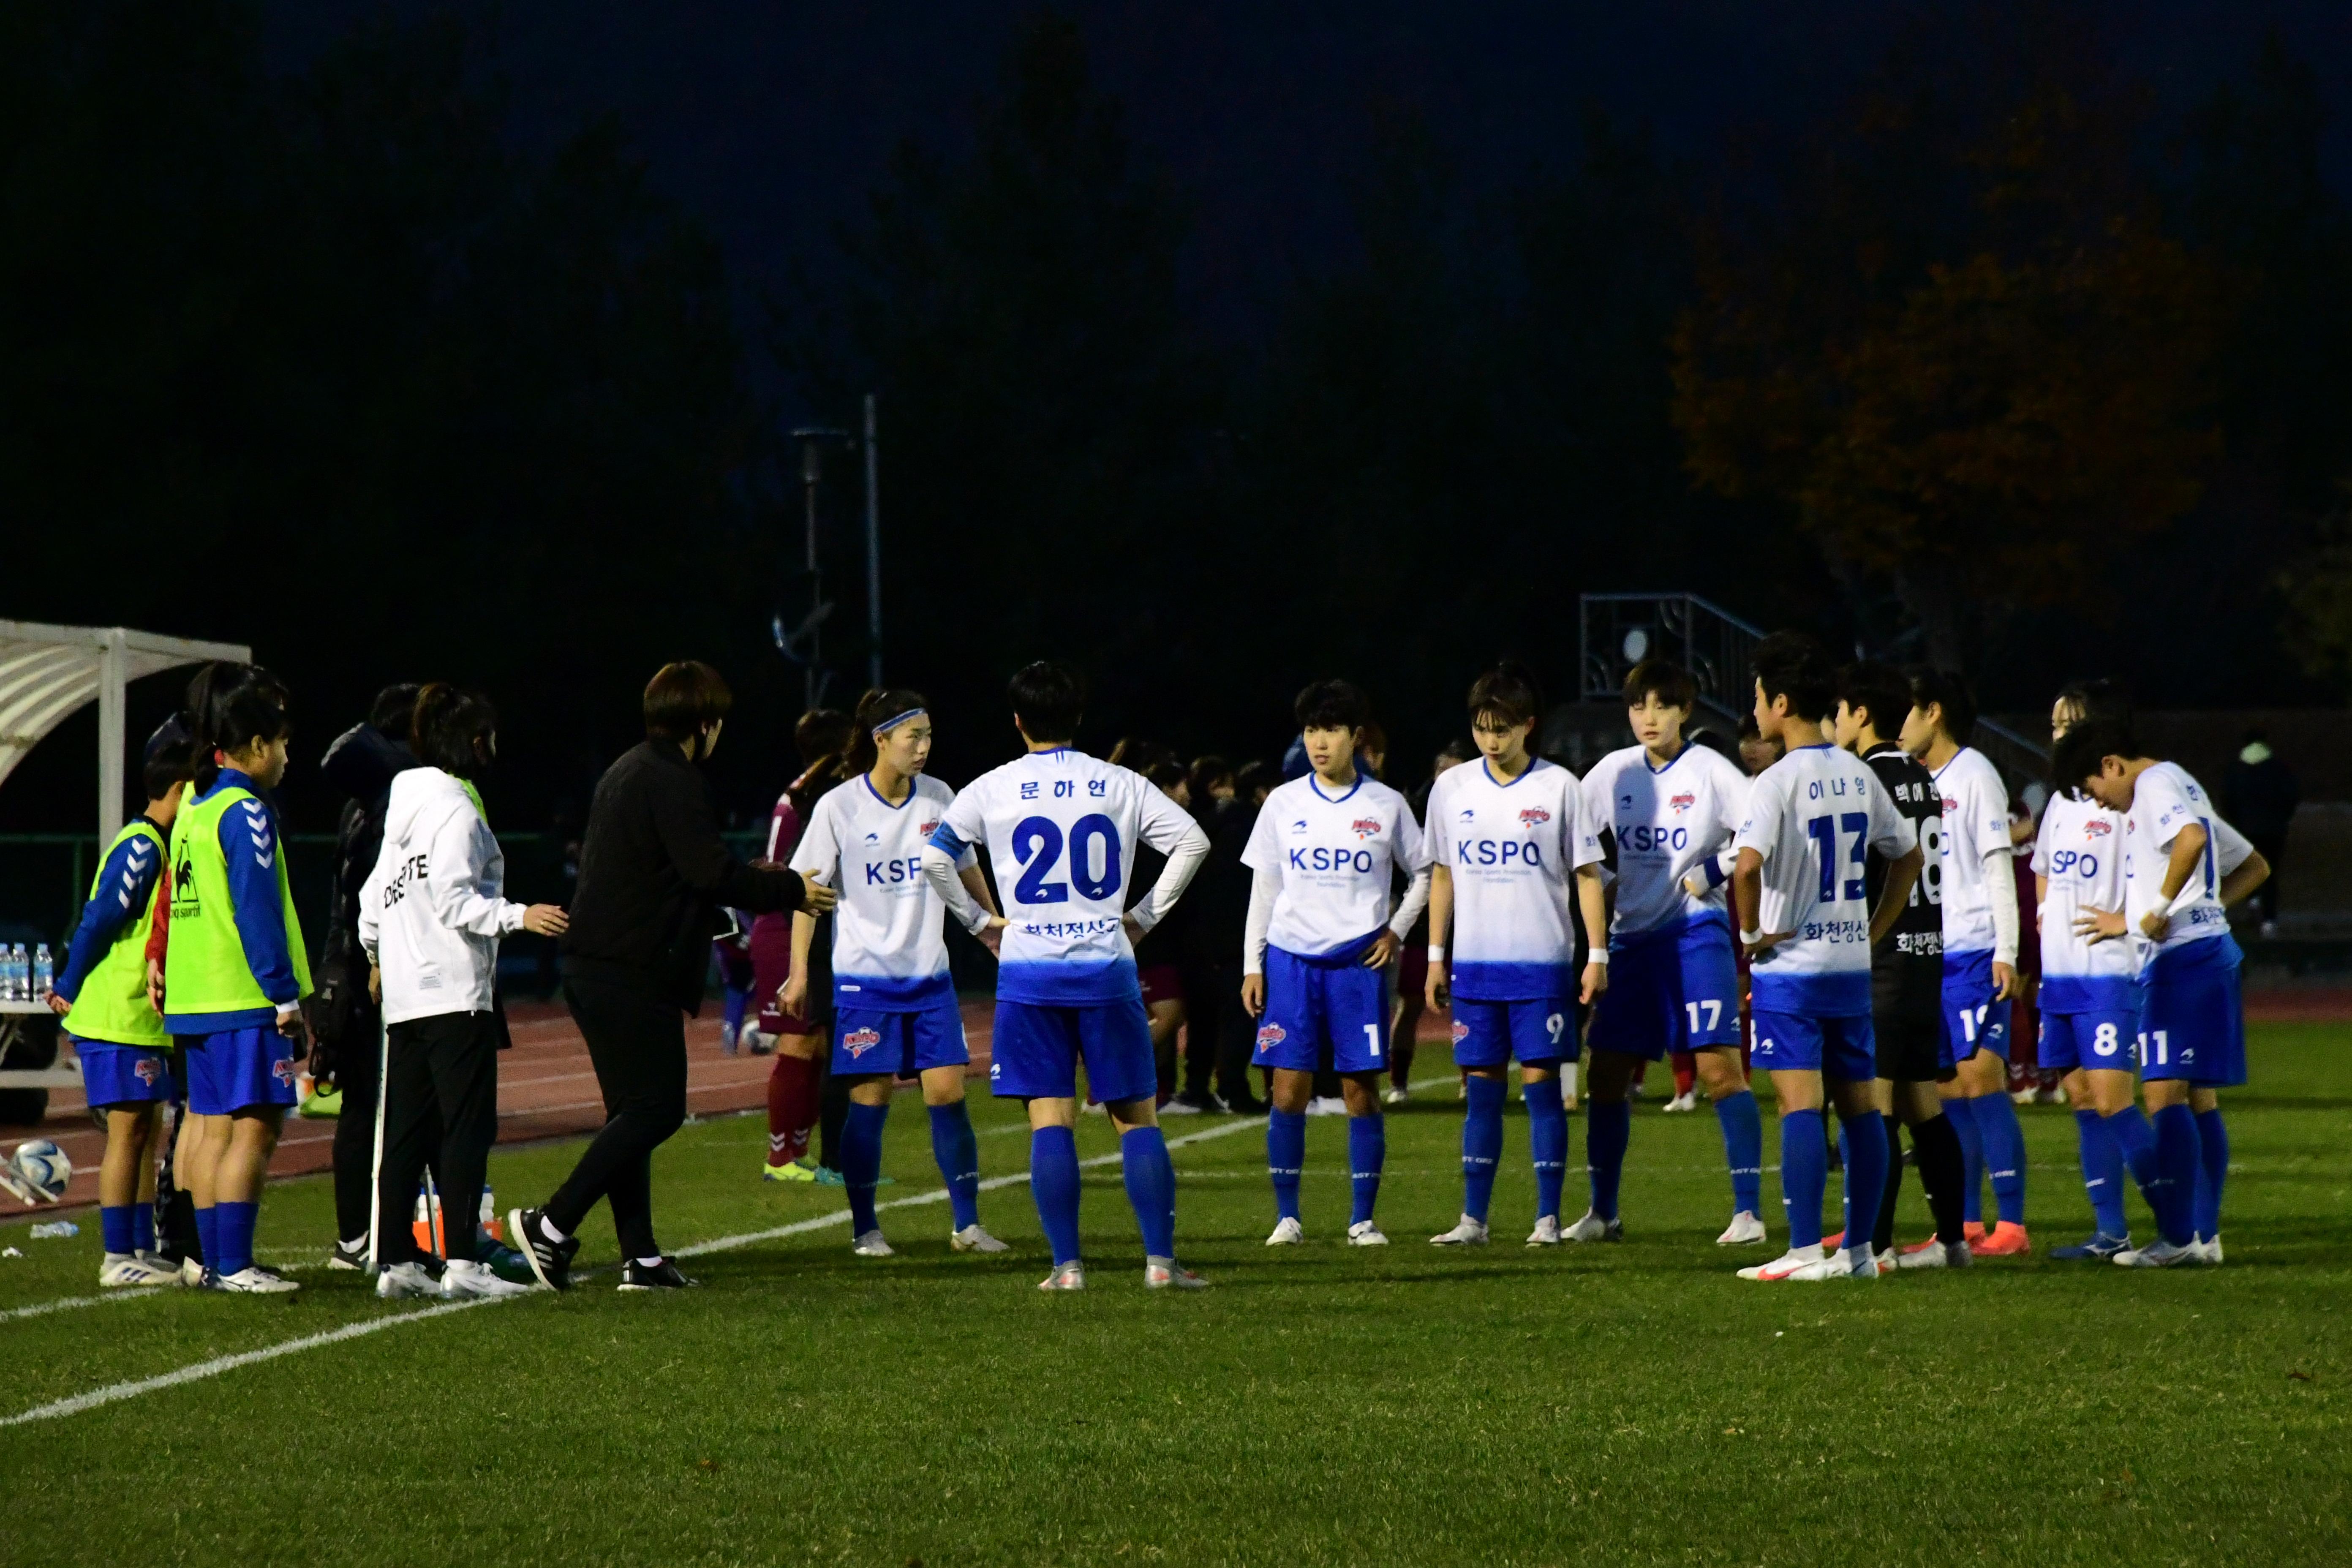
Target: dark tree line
[1995, 361]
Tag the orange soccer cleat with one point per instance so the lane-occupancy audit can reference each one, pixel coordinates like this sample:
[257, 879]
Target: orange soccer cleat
[2007, 1240]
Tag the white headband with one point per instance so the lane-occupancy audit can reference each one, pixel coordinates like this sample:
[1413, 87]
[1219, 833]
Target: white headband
[888, 724]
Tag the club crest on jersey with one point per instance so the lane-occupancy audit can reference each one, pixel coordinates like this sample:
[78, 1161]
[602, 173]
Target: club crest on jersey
[1534, 816]
[1365, 827]
[1461, 1033]
[1683, 802]
[147, 1071]
[282, 1069]
[1950, 806]
[1271, 1035]
[857, 1042]
[2094, 828]
[927, 828]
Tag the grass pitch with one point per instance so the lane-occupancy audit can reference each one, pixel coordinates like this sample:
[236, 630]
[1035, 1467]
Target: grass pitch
[1322, 1404]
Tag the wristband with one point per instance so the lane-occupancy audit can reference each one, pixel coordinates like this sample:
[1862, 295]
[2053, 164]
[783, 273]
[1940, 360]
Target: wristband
[1750, 938]
[1715, 873]
[1436, 953]
[1599, 955]
[2162, 907]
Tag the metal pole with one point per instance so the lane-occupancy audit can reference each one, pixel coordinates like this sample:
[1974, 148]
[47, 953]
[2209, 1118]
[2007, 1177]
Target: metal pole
[873, 553]
[812, 470]
[110, 736]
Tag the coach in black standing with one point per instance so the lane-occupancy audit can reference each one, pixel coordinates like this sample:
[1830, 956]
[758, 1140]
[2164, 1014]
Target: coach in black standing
[652, 873]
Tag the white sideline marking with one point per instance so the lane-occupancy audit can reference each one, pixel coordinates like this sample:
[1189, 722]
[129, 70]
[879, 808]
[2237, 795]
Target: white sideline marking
[66, 1303]
[133, 1389]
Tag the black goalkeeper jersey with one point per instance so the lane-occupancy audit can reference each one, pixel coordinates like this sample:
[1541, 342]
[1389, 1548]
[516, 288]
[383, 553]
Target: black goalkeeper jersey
[1909, 963]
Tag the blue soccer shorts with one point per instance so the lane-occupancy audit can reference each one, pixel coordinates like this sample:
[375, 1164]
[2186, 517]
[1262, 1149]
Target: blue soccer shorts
[1541, 1033]
[1037, 1047]
[236, 1069]
[1670, 990]
[867, 1041]
[1844, 1050]
[128, 1076]
[2192, 1023]
[2100, 1040]
[1308, 1004]
[1973, 1020]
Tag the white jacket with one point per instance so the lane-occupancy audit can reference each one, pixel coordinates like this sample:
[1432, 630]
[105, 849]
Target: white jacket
[430, 913]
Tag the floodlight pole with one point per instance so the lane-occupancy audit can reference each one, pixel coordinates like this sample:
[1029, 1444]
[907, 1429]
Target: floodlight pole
[111, 741]
[873, 553]
[812, 473]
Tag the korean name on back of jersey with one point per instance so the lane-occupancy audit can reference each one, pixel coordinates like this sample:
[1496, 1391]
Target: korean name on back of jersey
[1812, 818]
[1337, 856]
[1919, 929]
[887, 947]
[1061, 829]
[1668, 823]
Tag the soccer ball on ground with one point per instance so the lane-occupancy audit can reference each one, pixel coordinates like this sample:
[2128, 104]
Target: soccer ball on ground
[44, 1166]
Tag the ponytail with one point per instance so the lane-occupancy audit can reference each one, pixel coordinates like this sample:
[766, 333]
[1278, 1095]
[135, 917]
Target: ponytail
[881, 706]
[230, 705]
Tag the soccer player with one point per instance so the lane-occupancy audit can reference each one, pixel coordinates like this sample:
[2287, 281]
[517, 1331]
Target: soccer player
[796, 1081]
[1979, 889]
[1671, 806]
[1798, 885]
[894, 1004]
[236, 968]
[2089, 1020]
[1064, 828]
[1906, 972]
[2183, 866]
[126, 1056]
[1320, 931]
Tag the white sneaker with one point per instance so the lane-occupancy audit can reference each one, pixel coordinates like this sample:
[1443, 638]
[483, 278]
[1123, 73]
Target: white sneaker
[192, 1273]
[1846, 1263]
[1364, 1233]
[1468, 1233]
[169, 1273]
[1179, 1106]
[726, 1039]
[1935, 1254]
[1686, 1100]
[1785, 1267]
[122, 1270]
[1546, 1232]
[1097, 1107]
[1593, 1227]
[255, 1280]
[2208, 1251]
[1327, 1105]
[1393, 1095]
[870, 1245]
[462, 1277]
[2158, 1254]
[1287, 1233]
[2021, 1096]
[1745, 1230]
[1888, 1260]
[401, 1283]
[972, 1238]
[1167, 1274]
[1070, 1276]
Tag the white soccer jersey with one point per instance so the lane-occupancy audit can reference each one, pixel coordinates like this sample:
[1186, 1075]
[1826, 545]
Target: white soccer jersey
[888, 953]
[1976, 847]
[2080, 850]
[1336, 855]
[1813, 817]
[1061, 829]
[1511, 851]
[2165, 800]
[1669, 823]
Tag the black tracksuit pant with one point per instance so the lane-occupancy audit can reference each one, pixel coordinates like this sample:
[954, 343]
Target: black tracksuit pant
[636, 1041]
[441, 1104]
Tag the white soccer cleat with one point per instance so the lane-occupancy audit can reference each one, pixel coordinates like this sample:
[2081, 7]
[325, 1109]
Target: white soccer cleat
[2159, 1254]
[870, 1245]
[1888, 1260]
[1467, 1232]
[1686, 1100]
[1785, 1267]
[462, 1278]
[1070, 1276]
[2208, 1251]
[169, 1273]
[1593, 1227]
[255, 1280]
[192, 1273]
[1364, 1233]
[1167, 1274]
[404, 1282]
[1395, 1095]
[1745, 1230]
[127, 1270]
[1846, 1263]
[1935, 1254]
[1287, 1233]
[1546, 1232]
[972, 1238]
[1327, 1105]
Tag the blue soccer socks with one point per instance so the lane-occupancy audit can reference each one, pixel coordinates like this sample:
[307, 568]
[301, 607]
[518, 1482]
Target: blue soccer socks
[1866, 1153]
[1481, 1145]
[2103, 1173]
[1548, 1145]
[1150, 1188]
[1607, 1128]
[1054, 1183]
[208, 1235]
[1286, 1156]
[1743, 1149]
[114, 1227]
[2213, 1150]
[2179, 1162]
[1804, 1175]
[143, 1227]
[957, 1150]
[233, 1223]
[861, 1161]
[1368, 1152]
[1963, 1114]
[2004, 1154]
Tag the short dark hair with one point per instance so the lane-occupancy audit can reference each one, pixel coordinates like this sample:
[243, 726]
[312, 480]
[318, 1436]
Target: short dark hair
[1331, 705]
[1792, 665]
[1205, 774]
[1048, 698]
[1950, 690]
[2080, 750]
[230, 705]
[2098, 699]
[173, 762]
[1254, 777]
[1874, 687]
[449, 729]
[1374, 741]
[1669, 683]
[683, 698]
[391, 709]
[1509, 691]
[822, 732]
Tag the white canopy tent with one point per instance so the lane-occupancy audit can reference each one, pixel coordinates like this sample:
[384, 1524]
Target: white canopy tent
[47, 672]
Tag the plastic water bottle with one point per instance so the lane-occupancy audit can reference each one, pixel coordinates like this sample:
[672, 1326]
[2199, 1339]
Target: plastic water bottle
[19, 973]
[57, 1228]
[45, 973]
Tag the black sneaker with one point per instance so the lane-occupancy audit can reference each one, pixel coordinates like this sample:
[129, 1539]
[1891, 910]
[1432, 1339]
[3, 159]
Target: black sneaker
[1246, 1105]
[350, 1255]
[661, 1275]
[550, 1261]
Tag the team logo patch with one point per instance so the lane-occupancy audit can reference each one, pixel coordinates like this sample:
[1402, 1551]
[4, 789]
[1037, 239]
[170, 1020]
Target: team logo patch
[2094, 828]
[1534, 816]
[1365, 827]
[147, 1071]
[927, 828]
[1950, 806]
[1683, 802]
[282, 1069]
[1460, 1032]
[857, 1042]
[1271, 1035]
